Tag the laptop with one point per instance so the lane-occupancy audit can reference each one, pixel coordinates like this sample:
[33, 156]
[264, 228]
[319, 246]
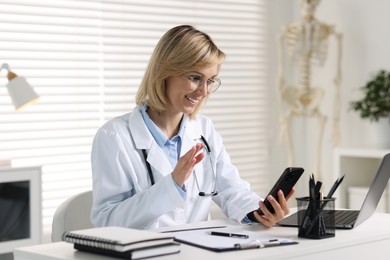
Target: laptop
[348, 219]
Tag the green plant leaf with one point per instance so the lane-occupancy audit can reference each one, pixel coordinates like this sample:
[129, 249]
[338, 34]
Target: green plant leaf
[376, 101]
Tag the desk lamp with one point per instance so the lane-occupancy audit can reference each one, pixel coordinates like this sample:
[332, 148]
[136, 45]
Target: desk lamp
[20, 91]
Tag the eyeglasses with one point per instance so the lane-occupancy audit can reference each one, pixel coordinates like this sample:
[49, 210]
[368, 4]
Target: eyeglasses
[197, 82]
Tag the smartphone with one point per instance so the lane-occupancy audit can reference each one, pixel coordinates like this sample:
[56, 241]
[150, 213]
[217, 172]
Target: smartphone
[286, 182]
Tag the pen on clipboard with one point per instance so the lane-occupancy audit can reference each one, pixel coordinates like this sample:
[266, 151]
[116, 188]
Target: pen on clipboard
[264, 244]
[224, 234]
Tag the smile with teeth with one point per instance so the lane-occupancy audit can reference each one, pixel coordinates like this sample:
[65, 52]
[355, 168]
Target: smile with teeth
[192, 100]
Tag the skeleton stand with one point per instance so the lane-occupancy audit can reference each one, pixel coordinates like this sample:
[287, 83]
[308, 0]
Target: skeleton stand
[307, 43]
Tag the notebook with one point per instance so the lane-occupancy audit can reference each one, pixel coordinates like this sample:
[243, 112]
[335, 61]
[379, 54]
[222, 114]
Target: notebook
[122, 242]
[348, 219]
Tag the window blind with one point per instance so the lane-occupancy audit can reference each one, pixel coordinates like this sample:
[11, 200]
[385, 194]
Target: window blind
[86, 60]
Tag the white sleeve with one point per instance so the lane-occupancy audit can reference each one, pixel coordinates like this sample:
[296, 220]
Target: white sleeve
[120, 196]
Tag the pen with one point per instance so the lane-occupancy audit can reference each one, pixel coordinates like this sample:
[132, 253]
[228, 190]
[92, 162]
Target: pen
[264, 244]
[317, 189]
[312, 185]
[191, 229]
[334, 187]
[223, 234]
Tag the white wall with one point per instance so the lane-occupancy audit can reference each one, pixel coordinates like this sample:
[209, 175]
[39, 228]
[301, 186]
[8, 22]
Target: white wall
[366, 50]
[366, 36]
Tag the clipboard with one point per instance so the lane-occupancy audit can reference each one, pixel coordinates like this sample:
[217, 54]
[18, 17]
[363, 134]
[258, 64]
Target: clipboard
[202, 238]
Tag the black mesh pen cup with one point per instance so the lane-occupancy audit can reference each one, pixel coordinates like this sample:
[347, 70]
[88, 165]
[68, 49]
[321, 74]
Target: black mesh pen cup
[316, 218]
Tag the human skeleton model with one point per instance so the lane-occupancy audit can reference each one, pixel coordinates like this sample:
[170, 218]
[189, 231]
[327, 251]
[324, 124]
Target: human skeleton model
[306, 43]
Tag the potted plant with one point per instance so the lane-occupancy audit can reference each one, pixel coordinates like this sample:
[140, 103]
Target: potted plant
[375, 103]
[375, 106]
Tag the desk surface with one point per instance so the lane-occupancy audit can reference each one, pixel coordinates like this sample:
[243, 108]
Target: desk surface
[370, 240]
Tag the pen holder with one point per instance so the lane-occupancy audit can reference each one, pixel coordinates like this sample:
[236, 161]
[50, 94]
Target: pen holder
[316, 218]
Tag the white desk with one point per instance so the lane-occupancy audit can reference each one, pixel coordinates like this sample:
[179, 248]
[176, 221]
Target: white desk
[370, 240]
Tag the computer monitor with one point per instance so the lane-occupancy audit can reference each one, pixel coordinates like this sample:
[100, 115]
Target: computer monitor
[20, 204]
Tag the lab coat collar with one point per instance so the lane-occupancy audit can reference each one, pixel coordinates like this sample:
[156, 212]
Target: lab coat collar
[191, 136]
[143, 139]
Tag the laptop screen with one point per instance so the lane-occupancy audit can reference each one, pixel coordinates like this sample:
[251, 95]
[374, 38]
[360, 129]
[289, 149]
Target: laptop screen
[375, 191]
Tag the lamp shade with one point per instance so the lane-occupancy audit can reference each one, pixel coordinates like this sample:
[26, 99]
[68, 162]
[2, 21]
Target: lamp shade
[21, 92]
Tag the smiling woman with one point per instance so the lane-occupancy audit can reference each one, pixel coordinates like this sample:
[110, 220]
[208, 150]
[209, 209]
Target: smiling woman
[181, 50]
[86, 59]
[167, 187]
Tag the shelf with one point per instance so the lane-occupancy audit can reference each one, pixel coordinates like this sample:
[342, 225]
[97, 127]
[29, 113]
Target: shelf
[362, 152]
[360, 166]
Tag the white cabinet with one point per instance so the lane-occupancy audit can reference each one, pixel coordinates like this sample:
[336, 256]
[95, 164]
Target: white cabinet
[21, 207]
[359, 166]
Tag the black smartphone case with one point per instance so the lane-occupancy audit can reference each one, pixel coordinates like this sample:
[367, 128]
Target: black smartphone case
[286, 182]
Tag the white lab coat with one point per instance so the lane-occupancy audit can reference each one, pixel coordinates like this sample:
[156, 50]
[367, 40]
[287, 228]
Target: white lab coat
[122, 191]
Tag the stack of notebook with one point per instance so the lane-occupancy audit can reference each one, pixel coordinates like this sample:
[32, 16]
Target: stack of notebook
[122, 242]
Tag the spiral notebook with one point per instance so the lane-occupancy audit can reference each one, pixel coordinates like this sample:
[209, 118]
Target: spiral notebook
[122, 242]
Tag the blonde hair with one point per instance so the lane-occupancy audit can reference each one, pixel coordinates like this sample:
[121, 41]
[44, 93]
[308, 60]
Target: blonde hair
[180, 50]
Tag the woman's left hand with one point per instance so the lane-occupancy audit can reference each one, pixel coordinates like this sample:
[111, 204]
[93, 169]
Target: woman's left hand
[186, 164]
[281, 209]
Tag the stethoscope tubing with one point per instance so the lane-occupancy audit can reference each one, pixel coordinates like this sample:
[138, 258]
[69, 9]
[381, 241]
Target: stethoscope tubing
[201, 193]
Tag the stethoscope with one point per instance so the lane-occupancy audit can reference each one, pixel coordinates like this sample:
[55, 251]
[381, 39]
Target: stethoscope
[214, 177]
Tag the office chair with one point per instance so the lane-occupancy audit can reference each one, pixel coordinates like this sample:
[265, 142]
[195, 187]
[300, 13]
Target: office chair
[72, 214]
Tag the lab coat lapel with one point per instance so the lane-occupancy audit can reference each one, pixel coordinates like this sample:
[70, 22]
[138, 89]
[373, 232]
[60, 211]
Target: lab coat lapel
[191, 136]
[159, 161]
[144, 140]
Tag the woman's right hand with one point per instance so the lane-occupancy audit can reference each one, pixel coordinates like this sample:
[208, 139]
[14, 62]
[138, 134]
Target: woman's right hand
[186, 164]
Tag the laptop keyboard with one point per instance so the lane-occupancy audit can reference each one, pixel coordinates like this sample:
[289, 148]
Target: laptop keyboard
[346, 216]
[344, 219]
